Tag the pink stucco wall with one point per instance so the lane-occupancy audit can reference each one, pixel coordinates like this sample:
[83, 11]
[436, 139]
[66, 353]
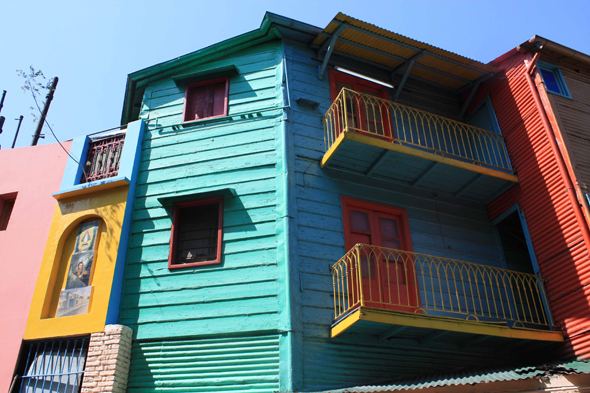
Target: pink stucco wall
[35, 173]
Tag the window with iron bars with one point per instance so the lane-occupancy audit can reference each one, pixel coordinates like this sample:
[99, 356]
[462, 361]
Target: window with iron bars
[103, 158]
[51, 366]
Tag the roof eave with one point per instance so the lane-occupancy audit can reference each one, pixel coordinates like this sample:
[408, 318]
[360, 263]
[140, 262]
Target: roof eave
[242, 40]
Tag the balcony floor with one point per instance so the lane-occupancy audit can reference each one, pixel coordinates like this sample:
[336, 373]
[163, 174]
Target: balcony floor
[392, 325]
[386, 161]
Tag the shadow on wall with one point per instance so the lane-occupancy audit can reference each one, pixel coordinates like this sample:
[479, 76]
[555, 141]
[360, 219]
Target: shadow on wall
[149, 283]
[555, 246]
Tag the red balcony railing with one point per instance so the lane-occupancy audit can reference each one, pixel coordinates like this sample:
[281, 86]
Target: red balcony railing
[103, 158]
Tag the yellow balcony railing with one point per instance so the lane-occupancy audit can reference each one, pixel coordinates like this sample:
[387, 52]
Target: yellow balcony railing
[378, 277]
[365, 114]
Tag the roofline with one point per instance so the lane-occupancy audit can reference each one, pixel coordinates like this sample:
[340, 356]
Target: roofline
[246, 39]
[543, 43]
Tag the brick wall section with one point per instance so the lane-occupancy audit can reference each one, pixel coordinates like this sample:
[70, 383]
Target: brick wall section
[107, 364]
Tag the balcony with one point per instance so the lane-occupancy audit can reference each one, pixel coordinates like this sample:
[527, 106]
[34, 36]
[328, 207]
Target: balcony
[103, 158]
[377, 138]
[387, 292]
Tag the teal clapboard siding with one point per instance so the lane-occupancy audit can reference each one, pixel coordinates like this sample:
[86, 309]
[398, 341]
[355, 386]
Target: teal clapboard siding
[234, 157]
[231, 364]
[439, 225]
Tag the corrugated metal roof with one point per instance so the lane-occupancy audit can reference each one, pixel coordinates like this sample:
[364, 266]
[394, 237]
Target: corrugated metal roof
[473, 377]
[380, 45]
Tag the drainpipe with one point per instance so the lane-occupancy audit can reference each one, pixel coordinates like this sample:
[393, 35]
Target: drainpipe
[530, 68]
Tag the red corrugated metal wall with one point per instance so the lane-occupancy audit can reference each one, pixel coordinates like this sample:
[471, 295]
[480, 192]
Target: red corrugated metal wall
[555, 234]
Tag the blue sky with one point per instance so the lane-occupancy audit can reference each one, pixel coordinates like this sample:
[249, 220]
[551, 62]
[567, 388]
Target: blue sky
[92, 46]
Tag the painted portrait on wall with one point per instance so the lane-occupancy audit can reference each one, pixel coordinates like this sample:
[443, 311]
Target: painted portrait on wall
[87, 235]
[80, 269]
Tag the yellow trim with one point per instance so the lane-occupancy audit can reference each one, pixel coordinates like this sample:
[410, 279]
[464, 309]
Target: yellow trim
[371, 141]
[91, 190]
[109, 205]
[392, 317]
[332, 151]
[345, 323]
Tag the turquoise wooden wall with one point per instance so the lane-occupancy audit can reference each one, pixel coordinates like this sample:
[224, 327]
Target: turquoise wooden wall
[229, 364]
[439, 225]
[174, 313]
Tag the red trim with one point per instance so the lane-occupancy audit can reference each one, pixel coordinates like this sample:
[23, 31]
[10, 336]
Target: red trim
[359, 84]
[174, 234]
[205, 83]
[356, 82]
[348, 202]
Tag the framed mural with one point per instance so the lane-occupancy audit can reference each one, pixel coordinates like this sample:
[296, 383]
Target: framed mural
[74, 299]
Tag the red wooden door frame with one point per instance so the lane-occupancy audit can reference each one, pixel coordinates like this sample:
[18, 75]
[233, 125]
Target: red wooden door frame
[376, 211]
[358, 85]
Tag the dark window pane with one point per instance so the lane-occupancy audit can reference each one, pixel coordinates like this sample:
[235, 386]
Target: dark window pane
[551, 81]
[5, 212]
[359, 221]
[197, 234]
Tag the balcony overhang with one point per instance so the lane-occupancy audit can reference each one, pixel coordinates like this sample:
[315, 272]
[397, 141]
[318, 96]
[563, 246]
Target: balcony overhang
[355, 39]
[396, 163]
[396, 294]
[380, 139]
[389, 323]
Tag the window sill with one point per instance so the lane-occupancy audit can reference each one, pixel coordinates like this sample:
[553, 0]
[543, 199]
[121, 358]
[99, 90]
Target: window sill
[95, 186]
[194, 264]
[192, 123]
[559, 94]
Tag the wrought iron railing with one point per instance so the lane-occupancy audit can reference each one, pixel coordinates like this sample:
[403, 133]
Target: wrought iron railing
[385, 278]
[53, 366]
[103, 158]
[365, 114]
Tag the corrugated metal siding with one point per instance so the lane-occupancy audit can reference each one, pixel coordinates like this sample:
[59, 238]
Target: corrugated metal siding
[541, 194]
[236, 364]
[471, 377]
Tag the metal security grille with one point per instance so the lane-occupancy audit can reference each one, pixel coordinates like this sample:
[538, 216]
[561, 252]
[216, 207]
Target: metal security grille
[103, 158]
[53, 366]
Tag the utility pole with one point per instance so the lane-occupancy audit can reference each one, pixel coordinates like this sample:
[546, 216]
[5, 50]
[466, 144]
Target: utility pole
[44, 112]
[2, 101]
[2, 119]
[20, 120]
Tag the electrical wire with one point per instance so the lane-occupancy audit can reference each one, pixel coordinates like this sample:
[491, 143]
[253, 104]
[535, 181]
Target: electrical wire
[53, 133]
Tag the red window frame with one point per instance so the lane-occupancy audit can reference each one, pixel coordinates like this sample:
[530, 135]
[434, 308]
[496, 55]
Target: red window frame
[358, 85]
[187, 97]
[174, 235]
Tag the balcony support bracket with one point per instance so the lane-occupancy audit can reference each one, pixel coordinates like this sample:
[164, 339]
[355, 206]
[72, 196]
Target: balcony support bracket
[376, 163]
[465, 187]
[469, 99]
[329, 48]
[394, 331]
[410, 63]
[423, 174]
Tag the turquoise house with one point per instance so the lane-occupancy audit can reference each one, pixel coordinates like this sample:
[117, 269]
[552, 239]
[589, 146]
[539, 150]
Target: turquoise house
[312, 212]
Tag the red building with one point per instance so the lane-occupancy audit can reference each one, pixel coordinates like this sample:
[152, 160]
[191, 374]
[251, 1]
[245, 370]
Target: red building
[542, 105]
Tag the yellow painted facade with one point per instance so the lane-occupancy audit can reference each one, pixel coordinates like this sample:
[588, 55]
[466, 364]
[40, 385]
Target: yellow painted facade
[109, 207]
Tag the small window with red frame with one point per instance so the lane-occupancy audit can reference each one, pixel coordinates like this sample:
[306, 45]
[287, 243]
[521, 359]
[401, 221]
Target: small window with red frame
[197, 231]
[206, 99]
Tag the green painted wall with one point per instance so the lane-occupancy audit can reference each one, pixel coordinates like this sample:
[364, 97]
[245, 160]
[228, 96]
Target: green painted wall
[174, 313]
